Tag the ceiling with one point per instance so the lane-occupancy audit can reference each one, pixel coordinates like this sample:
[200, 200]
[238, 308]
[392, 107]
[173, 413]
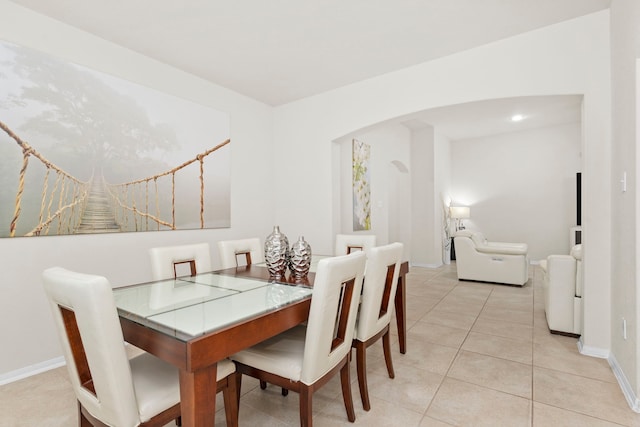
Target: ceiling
[278, 51]
[491, 117]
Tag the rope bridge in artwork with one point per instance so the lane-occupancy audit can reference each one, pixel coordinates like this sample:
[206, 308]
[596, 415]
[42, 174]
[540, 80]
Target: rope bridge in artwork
[124, 196]
[68, 193]
[73, 206]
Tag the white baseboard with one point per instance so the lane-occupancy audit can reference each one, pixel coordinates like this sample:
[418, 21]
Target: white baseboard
[624, 384]
[28, 371]
[426, 265]
[600, 353]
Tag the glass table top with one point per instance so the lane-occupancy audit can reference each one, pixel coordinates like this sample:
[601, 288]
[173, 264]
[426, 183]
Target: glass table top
[191, 306]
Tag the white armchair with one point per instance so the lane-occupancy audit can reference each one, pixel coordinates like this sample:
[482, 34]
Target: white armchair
[480, 260]
[562, 284]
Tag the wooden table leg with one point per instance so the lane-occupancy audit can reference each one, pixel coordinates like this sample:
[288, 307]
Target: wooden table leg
[198, 396]
[401, 308]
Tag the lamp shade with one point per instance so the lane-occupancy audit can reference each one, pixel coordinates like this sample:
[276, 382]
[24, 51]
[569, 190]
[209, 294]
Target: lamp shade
[459, 212]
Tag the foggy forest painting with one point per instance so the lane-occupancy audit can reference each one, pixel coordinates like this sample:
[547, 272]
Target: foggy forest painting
[85, 152]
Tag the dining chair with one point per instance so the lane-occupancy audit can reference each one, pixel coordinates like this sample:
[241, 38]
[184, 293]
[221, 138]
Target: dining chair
[110, 388]
[376, 307]
[305, 358]
[250, 248]
[168, 262]
[165, 264]
[347, 243]
[253, 254]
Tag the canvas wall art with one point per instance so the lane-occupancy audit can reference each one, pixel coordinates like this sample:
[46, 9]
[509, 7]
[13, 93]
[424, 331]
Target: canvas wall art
[86, 152]
[361, 186]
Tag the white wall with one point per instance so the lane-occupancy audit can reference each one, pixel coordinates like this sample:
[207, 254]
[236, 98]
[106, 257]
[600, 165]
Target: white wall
[405, 208]
[568, 58]
[423, 194]
[399, 199]
[389, 144]
[442, 187]
[625, 238]
[430, 174]
[28, 329]
[520, 186]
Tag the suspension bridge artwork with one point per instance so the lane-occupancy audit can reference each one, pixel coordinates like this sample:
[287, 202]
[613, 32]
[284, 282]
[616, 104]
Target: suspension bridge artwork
[85, 152]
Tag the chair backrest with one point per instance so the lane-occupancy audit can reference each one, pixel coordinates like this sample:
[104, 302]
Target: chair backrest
[478, 239]
[379, 289]
[347, 243]
[250, 248]
[332, 316]
[87, 321]
[167, 261]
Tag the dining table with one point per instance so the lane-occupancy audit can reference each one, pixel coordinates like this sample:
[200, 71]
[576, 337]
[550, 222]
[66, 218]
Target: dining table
[195, 321]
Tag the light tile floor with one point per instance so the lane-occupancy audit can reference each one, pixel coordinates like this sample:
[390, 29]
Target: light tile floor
[478, 355]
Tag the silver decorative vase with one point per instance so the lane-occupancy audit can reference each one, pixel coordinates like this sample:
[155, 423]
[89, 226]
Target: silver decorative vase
[276, 253]
[300, 258]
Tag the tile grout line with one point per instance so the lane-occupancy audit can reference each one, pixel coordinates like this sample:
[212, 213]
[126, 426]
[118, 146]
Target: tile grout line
[457, 351]
[435, 393]
[426, 283]
[533, 343]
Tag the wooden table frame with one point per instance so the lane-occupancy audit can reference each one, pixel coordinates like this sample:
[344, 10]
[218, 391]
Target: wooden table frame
[197, 358]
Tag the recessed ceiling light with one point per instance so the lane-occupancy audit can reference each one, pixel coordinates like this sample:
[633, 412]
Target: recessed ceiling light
[517, 117]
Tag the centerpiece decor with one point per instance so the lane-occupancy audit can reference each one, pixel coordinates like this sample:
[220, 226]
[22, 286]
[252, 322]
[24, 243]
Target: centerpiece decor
[276, 253]
[300, 258]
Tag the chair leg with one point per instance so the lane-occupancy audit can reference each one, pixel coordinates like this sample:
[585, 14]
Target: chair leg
[345, 380]
[237, 377]
[386, 347]
[231, 400]
[361, 363]
[179, 421]
[306, 407]
[263, 385]
[82, 420]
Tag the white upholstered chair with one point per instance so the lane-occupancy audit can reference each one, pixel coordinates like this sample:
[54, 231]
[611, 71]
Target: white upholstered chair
[485, 261]
[562, 286]
[376, 307]
[110, 388]
[304, 358]
[253, 253]
[347, 243]
[250, 248]
[166, 261]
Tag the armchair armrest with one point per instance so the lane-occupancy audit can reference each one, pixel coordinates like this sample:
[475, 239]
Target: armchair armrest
[561, 269]
[561, 305]
[503, 248]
